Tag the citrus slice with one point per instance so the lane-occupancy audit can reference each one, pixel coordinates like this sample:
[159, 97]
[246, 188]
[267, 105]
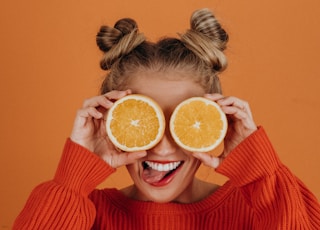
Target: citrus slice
[135, 122]
[198, 124]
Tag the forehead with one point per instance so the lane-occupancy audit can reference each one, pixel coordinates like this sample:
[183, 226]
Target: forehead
[166, 88]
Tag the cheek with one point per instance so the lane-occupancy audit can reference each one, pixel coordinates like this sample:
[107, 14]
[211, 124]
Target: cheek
[194, 165]
[133, 170]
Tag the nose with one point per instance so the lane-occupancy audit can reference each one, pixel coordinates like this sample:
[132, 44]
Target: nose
[165, 147]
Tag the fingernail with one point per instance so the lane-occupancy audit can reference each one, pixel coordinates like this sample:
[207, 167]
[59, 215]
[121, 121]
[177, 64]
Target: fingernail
[142, 154]
[208, 95]
[99, 115]
[109, 103]
[216, 162]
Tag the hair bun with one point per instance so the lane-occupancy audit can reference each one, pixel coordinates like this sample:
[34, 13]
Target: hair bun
[108, 36]
[205, 22]
[126, 25]
[207, 39]
[118, 41]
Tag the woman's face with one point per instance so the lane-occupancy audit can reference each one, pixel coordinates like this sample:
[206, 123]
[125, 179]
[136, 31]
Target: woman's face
[150, 182]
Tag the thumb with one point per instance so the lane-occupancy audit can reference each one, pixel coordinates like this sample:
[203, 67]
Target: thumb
[208, 160]
[124, 158]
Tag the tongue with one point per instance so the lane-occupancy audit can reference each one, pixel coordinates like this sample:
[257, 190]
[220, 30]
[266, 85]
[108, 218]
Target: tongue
[153, 176]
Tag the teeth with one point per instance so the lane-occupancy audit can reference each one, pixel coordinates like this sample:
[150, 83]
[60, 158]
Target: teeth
[163, 167]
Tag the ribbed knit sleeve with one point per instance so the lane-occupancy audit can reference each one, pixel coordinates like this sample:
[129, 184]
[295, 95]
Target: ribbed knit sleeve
[278, 198]
[63, 203]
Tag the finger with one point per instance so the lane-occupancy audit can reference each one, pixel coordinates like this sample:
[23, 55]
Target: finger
[84, 116]
[115, 94]
[106, 100]
[233, 101]
[208, 160]
[97, 101]
[131, 157]
[89, 112]
[236, 102]
[123, 158]
[214, 96]
[240, 115]
[235, 111]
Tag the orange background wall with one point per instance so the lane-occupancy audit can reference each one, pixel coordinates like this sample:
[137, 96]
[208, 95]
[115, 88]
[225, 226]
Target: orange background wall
[49, 64]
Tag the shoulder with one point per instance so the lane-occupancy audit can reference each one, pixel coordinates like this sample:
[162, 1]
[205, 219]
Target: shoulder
[106, 193]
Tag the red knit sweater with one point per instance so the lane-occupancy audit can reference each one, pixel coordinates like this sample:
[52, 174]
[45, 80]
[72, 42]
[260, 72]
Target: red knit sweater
[261, 194]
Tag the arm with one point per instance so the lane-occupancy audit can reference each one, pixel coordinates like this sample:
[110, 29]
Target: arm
[278, 198]
[63, 203]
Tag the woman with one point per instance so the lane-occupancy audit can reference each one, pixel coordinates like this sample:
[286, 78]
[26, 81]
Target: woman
[261, 193]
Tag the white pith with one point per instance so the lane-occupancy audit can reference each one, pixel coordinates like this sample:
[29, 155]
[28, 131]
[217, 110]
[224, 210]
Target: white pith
[163, 166]
[135, 122]
[197, 125]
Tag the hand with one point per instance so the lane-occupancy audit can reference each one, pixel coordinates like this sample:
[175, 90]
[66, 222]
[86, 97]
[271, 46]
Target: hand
[89, 130]
[240, 126]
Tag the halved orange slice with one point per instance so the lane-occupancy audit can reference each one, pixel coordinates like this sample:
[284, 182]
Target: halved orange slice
[135, 122]
[198, 124]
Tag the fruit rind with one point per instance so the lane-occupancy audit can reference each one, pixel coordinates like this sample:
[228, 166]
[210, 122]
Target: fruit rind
[157, 110]
[203, 148]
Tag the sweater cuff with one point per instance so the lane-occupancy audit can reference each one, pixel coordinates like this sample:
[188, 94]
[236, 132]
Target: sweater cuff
[253, 159]
[81, 170]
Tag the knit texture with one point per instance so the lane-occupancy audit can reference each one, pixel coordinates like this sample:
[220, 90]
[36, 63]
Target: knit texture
[261, 194]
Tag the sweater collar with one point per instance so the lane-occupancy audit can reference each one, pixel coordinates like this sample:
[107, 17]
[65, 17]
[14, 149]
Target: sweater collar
[213, 201]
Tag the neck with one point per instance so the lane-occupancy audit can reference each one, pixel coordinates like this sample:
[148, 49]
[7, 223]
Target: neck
[196, 191]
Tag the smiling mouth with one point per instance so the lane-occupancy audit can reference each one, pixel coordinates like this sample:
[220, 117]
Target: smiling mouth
[162, 166]
[159, 174]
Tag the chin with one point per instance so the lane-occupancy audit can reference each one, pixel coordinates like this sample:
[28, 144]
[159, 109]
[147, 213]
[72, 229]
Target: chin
[162, 200]
[162, 196]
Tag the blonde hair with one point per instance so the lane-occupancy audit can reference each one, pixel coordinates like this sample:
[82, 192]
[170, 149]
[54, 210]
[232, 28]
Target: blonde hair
[199, 51]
